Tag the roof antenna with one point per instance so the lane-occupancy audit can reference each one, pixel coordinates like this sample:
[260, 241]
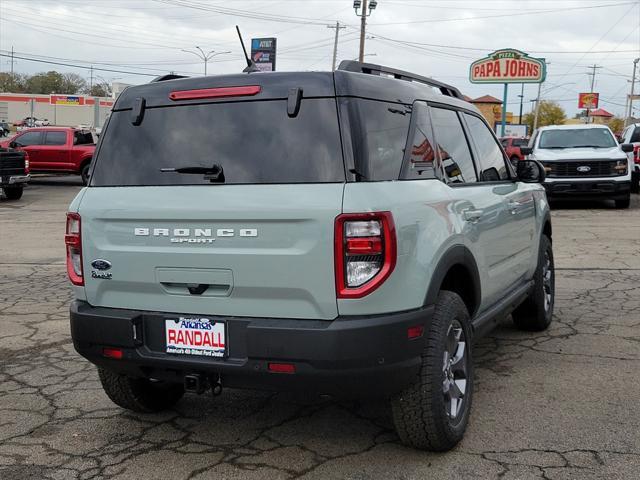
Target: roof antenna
[251, 66]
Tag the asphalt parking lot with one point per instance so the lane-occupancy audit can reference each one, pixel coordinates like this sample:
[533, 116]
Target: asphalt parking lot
[561, 404]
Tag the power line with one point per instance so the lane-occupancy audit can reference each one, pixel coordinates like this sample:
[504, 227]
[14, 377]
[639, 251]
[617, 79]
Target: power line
[80, 66]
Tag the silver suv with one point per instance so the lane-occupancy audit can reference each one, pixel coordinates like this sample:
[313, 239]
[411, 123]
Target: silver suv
[583, 161]
[348, 232]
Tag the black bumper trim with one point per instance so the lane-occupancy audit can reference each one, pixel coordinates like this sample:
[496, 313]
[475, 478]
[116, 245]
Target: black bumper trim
[346, 356]
[595, 188]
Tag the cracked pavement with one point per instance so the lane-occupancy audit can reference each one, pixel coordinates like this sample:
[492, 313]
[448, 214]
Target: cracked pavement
[560, 404]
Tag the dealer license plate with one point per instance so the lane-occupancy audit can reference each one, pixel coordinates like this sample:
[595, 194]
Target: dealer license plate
[195, 336]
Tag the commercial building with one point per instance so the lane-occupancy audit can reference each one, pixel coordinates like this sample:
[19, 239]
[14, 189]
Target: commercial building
[64, 110]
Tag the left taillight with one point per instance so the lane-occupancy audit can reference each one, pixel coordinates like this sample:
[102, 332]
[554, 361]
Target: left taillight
[365, 252]
[73, 243]
[636, 154]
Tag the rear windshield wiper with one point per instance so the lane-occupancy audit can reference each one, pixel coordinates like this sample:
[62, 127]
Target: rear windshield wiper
[214, 173]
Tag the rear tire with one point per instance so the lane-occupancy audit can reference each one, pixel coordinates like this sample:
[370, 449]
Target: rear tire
[635, 182]
[84, 173]
[536, 312]
[432, 414]
[13, 193]
[139, 394]
[624, 203]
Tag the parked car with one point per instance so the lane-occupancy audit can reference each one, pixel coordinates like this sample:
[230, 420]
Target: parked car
[631, 135]
[583, 161]
[353, 240]
[56, 149]
[512, 147]
[14, 172]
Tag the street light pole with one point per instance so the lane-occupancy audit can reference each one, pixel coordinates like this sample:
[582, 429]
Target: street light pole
[205, 57]
[633, 83]
[367, 6]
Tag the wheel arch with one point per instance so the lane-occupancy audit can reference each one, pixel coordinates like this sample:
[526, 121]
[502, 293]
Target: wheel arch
[456, 271]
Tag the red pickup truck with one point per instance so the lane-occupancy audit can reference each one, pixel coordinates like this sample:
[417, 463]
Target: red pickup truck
[512, 147]
[56, 149]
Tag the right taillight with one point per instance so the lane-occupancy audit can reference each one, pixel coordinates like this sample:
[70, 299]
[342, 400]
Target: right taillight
[365, 252]
[73, 242]
[636, 154]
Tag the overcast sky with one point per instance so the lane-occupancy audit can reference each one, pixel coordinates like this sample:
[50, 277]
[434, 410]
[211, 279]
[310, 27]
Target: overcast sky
[147, 36]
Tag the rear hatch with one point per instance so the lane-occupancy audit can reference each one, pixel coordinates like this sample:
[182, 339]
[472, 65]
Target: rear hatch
[221, 204]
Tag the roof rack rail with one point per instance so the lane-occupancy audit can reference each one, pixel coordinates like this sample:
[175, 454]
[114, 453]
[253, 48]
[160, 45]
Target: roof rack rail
[373, 69]
[168, 76]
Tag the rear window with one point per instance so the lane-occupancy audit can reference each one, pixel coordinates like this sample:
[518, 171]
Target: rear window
[520, 142]
[254, 142]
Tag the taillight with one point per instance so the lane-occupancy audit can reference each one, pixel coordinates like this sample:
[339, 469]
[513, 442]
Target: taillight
[636, 154]
[73, 242]
[365, 252]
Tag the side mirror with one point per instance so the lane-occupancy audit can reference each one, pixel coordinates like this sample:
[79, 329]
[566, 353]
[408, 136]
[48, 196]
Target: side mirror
[627, 147]
[13, 145]
[526, 150]
[530, 171]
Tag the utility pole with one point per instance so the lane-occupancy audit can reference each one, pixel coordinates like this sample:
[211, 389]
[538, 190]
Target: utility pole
[535, 117]
[91, 80]
[12, 60]
[633, 84]
[367, 6]
[335, 44]
[205, 57]
[593, 81]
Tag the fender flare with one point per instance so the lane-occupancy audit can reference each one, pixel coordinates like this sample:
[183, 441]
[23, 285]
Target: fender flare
[455, 255]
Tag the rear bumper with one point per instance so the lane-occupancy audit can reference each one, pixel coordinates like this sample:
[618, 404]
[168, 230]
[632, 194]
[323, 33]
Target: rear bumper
[595, 188]
[348, 356]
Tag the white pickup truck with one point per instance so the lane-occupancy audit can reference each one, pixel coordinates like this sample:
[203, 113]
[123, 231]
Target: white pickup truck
[582, 161]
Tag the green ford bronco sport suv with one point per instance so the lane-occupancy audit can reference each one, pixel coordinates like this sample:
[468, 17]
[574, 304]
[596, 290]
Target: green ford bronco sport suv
[347, 233]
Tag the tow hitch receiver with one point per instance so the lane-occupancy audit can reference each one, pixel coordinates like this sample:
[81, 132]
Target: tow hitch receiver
[196, 383]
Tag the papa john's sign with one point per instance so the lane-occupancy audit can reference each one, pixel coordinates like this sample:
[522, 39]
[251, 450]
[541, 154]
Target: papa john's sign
[508, 66]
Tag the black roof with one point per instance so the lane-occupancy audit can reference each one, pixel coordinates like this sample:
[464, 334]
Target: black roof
[351, 79]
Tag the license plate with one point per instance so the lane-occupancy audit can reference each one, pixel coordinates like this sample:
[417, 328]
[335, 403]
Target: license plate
[195, 336]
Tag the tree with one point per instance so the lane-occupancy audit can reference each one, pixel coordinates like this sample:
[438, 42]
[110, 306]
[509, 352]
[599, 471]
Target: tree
[616, 124]
[550, 114]
[100, 90]
[12, 82]
[55, 82]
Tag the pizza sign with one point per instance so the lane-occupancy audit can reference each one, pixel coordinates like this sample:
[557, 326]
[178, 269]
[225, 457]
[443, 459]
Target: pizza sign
[588, 100]
[508, 66]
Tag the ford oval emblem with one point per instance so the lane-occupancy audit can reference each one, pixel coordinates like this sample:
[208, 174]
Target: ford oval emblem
[100, 264]
[584, 168]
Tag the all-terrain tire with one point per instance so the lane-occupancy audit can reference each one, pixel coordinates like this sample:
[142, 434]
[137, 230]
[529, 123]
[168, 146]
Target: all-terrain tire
[84, 173]
[536, 312]
[139, 394]
[13, 193]
[635, 182]
[624, 202]
[420, 411]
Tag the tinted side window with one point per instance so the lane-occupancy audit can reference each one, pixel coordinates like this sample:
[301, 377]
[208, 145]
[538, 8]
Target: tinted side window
[55, 138]
[379, 137]
[490, 159]
[421, 161]
[82, 138]
[636, 136]
[452, 146]
[29, 138]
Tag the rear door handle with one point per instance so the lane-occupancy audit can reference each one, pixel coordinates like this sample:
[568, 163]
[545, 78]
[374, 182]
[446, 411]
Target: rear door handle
[472, 215]
[514, 207]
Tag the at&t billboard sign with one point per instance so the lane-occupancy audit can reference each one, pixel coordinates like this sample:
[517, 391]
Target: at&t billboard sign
[263, 53]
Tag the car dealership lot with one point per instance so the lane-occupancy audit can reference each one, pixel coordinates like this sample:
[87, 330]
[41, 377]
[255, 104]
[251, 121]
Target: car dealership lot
[559, 404]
